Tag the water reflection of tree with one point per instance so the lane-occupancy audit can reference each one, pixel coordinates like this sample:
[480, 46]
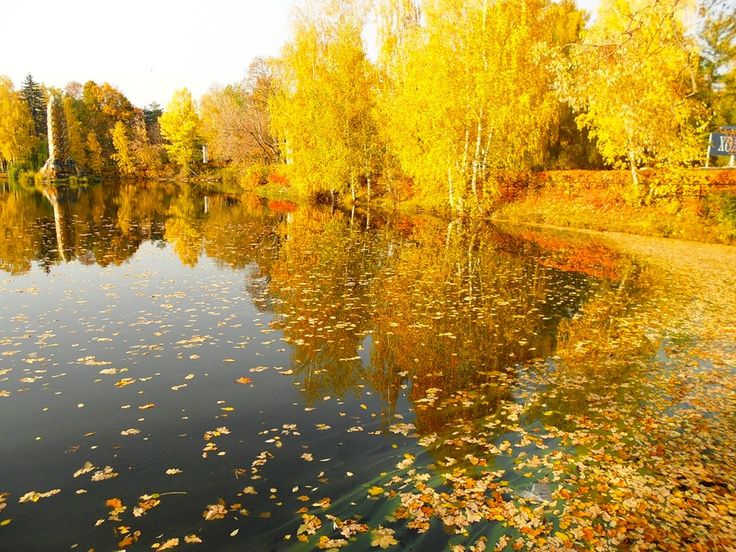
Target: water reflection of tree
[21, 236]
[184, 227]
[102, 224]
[107, 223]
[322, 283]
[242, 232]
[449, 307]
[603, 354]
[459, 309]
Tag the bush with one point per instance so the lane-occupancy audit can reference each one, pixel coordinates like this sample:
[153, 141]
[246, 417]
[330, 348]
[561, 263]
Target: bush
[275, 177]
[670, 185]
[256, 175]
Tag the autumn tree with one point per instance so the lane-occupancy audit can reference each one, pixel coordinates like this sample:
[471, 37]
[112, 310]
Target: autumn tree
[180, 126]
[101, 107]
[123, 155]
[94, 153]
[77, 138]
[322, 110]
[17, 130]
[236, 121]
[633, 77]
[467, 91]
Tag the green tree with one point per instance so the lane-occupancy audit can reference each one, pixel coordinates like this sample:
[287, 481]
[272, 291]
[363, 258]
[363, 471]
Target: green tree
[34, 96]
[151, 114]
[180, 127]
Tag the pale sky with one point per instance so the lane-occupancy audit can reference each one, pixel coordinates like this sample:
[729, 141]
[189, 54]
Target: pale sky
[147, 49]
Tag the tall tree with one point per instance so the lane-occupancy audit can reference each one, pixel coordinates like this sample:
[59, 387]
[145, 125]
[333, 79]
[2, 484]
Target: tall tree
[180, 126]
[236, 130]
[151, 114]
[634, 78]
[16, 124]
[34, 96]
[101, 107]
[123, 155]
[322, 111]
[468, 92]
[77, 149]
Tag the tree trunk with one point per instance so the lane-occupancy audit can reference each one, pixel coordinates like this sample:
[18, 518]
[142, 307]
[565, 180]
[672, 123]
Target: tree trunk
[476, 157]
[634, 174]
[450, 190]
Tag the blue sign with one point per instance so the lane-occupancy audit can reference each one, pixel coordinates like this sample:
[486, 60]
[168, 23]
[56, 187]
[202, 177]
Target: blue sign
[723, 143]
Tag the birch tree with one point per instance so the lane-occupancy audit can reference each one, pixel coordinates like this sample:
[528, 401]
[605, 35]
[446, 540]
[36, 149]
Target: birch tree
[633, 77]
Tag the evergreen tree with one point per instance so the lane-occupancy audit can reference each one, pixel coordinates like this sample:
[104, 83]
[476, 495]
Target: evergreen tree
[151, 114]
[33, 95]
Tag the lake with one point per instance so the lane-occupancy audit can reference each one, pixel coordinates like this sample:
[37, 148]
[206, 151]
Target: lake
[198, 370]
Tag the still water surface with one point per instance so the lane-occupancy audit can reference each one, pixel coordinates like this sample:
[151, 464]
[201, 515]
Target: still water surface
[179, 364]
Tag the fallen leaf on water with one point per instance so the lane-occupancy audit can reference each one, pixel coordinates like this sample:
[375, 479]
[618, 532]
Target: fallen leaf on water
[125, 382]
[147, 502]
[214, 511]
[326, 543]
[116, 508]
[34, 496]
[130, 539]
[324, 503]
[243, 380]
[375, 491]
[105, 473]
[166, 545]
[88, 467]
[383, 537]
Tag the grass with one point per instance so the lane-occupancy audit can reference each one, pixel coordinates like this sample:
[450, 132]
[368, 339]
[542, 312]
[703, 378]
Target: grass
[707, 219]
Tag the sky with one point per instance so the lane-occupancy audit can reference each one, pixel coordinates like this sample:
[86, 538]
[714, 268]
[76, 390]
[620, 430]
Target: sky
[146, 48]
